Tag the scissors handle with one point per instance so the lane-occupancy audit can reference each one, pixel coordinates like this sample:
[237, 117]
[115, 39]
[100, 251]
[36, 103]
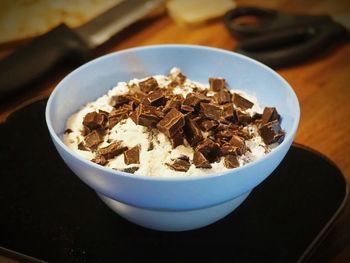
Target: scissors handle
[284, 48]
[269, 20]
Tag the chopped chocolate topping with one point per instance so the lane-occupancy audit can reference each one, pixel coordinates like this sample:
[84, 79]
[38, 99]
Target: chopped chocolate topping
[117, 101]
[136, 97]
[209, 149]
[200, 161]
[271, 132]
[238, 142]
[171, 123]
[211, 110]
[193, 99]
[146, 115]
[156, 98]
[231, 161]
[186, 108]
[243, 118]
[208, 124]
[269, 114]
[112, 150]
[82, 147]
[131, 170]
[180, 165]
[174, 102]
[99, 159]
[242, 102]
[177, 139]
[132, 155]
[94, 120]
[178, 79]
[184, 157]
[228, 148]
[148, 85]
[68, 131]
[93, 139]
[192, 132]
[228, 112]
[216, 84]
[223, 96]
[117, 115]
[225, 133]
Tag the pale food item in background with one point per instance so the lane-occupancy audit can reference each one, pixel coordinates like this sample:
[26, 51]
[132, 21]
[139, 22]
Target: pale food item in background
[21, 19]
[194, 12]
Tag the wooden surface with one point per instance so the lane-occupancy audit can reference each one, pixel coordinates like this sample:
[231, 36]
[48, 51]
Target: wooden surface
[321, 84]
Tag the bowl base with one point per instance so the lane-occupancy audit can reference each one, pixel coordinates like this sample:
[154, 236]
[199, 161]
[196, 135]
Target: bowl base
[164, 220]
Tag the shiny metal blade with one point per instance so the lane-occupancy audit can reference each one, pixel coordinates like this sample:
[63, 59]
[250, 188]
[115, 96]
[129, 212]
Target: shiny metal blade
[104, 26]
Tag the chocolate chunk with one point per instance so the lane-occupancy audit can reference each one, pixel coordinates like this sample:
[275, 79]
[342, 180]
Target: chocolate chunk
[99, 159]
[117, 115]
[180, 165]
[226, 133]
[243, 118]
[132, 155]
[82, 147]
[192, 132]
[193, 99]
[228, 148]
[148, 85]
[156, 98]
[216, 84]
[208, 124]
[174, 102]
[146, 115]
[211, 110]
[94, 120]
[200, 161]
[131, 170]
[177, 80]
[184, 157]
[93, 139]
[222, 96]
[242, 102]
[238, 142]
[271, 132]
[186, 108]
[269, 114]
[228, 112]
[177, 139]
[112, 150]
[68, 131]
[231, 161]
[209, 149]
[136, 97]
[171, 123]
[117, 101]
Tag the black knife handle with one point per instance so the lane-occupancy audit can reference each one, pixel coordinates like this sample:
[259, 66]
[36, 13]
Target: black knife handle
[38, 57]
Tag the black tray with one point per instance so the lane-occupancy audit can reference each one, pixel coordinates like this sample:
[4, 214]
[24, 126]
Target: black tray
[49, 214]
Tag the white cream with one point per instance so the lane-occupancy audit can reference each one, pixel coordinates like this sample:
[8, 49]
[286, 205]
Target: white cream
[153, 162]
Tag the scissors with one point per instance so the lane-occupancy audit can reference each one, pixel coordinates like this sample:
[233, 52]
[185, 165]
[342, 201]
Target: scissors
[280, 39]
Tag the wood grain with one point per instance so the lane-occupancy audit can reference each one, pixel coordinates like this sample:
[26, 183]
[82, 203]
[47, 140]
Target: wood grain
[322, 85]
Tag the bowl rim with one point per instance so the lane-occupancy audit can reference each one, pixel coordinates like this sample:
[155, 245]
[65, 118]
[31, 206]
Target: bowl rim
[289, 136]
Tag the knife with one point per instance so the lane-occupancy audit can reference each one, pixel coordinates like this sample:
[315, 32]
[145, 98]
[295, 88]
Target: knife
[61, 43]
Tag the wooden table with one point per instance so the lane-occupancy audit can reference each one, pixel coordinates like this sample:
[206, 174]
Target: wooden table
[322, 85]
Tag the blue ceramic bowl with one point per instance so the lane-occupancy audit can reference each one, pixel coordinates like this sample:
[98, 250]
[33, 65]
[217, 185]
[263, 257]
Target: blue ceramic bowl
[172, 203]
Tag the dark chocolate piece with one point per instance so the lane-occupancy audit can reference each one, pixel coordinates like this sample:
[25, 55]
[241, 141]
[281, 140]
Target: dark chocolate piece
[156, 98]
[271, 132]
[216, 84]
[114, 149]
[200, 161]
[209, 149]
[238, 142]
[131, 170]
[228, 112]
[132, 155]
[177, 80]
[193, 99]
[231, 161]
[171, 123]
[242, 102]
[177, 139]
[148, 85]
[99, 159]
[174, 102]
[146, 115]
[93, 139]
[136, 97]
[117, 115]
[269, 114]
[211, 110]
[227, 149]
[68, 131]
[208, 124]
[192, 132]
[117, 101]
[184, 157]
[82, 147]
[186, 108]
[222, 96]
[243, 118]
[180, 165]
[94, 120]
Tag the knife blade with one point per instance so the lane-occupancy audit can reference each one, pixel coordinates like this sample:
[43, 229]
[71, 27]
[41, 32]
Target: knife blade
[34, 60]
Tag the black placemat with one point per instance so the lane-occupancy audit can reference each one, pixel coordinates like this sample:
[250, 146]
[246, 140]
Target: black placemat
[48, 213]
